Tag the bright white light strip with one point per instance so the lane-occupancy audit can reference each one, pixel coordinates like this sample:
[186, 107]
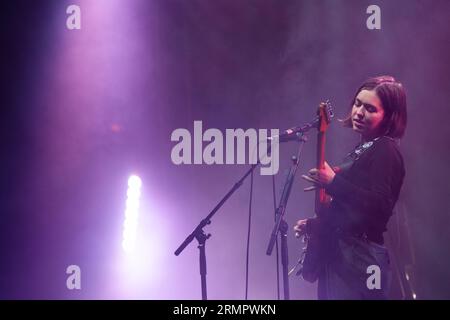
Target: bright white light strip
[131, 214]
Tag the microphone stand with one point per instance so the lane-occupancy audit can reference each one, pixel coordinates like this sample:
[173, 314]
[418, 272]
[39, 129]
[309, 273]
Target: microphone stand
[201, 236]
[281, 227]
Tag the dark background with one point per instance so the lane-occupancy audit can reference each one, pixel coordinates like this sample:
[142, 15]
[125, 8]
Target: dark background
[81, 110]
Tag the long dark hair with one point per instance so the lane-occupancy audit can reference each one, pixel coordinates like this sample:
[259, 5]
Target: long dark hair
[393, 99]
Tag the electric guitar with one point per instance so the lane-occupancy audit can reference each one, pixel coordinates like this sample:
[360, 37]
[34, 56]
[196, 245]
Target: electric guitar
[311, 262]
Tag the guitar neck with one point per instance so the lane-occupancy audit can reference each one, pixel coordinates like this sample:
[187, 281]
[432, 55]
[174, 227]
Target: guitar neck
[320, 193]
[324, 116]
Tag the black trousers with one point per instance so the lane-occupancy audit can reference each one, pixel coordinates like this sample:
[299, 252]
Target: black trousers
[357, 269]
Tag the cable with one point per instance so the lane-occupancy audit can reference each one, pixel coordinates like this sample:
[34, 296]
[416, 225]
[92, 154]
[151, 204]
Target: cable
[249, 228]
[248, 235]
[276, 242]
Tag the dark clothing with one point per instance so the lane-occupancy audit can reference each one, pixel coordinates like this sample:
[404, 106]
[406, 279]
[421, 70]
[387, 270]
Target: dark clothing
[364, 193]
[350, 274]
[366, 189]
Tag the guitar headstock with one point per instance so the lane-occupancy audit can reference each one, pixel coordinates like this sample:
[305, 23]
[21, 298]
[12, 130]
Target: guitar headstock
[325, 115]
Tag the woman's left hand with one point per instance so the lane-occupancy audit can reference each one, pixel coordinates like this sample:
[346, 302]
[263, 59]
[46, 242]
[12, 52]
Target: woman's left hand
[320, 178]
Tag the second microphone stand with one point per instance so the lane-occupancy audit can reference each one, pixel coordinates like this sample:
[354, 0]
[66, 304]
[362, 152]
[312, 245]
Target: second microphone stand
[201, 236]
[281, 227]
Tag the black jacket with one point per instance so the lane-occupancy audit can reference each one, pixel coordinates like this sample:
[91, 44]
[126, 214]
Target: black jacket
[365, 191]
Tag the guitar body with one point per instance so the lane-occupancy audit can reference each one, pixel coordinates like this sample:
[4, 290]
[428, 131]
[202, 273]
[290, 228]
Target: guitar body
[315, 239]
[312, 262]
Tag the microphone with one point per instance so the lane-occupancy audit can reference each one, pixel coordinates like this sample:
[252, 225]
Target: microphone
[296, 133]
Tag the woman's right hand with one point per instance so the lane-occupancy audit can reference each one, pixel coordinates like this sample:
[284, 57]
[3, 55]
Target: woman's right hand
[300, 228]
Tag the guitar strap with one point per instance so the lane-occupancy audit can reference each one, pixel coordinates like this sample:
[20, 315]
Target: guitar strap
[356, 154]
